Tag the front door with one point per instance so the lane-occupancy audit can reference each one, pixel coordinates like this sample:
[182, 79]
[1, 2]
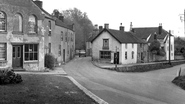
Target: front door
[116, 58]
[17, 56]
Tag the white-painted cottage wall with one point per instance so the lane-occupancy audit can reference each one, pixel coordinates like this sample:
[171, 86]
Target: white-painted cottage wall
[97, 45]
[129, 50]
[167, 48]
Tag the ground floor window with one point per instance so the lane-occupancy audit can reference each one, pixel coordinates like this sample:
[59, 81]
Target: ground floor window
[2, 51]
[105, 54]
[31, 52]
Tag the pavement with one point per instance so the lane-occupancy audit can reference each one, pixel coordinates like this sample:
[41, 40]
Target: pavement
[105, 65]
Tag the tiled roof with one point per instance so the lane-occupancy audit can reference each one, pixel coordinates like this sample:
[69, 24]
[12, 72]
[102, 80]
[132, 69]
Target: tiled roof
[121, 36]
[144, 33]
[63, 24]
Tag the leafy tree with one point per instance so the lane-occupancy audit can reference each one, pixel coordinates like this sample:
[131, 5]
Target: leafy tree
[179, 45]
[83, 25]
[155, 47]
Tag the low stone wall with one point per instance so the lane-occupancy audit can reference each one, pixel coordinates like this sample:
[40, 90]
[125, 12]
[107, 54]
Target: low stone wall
[179, 57]
[146, 67]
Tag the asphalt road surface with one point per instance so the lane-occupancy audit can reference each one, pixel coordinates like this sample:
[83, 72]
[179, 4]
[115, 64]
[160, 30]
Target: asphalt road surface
[152, 87]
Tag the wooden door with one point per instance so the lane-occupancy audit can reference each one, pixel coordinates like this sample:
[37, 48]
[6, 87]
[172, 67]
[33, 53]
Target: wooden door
[17, 56]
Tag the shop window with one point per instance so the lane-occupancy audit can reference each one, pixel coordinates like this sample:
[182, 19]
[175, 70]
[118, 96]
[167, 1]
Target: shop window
[2, 51]
[105, 54]
[31, 52]
[32, 22]
[3, 22]
[17, 24]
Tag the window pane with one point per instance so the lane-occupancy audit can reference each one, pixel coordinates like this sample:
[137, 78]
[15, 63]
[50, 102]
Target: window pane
[35, 56]
[27, 56]
[31, 56]
[26, 48]
[32, 24]
[2, 21]
[35, 47]
[2, 51]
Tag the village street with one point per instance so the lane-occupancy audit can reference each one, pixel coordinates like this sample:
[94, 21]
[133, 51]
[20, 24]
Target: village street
[152, 87]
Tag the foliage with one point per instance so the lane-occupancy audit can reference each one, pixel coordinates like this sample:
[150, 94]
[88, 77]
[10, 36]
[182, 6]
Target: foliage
[8, 76]
[179, 81]
[155, 47]
[83, 25]
[179, 46]
[49, 61]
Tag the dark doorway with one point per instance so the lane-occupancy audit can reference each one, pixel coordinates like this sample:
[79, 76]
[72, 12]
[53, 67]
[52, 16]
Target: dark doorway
[17, 56]
[63, 55]
[116, 58]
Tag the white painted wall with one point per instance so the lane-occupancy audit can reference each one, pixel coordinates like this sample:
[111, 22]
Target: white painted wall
[166, 45]
[98, 44]
[129, 50]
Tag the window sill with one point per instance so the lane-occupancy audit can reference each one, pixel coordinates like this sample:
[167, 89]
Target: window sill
[31, 61]
[32, 34]
[3, 32]
[17, 32]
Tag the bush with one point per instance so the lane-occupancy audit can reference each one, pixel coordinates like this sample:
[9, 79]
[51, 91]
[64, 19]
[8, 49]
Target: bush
[179, 81]
[49, 61]
[8, 76]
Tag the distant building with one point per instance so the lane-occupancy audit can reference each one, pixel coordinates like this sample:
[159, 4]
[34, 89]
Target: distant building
[108, 42]
[162, 36]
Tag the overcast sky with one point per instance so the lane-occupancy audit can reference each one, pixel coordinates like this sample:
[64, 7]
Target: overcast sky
[142, 13]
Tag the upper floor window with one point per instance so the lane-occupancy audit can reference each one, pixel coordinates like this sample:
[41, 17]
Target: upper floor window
[132, 45]
[32, 22]
[125, 45]
[17, 24]
[3, 22]
[105, 43]
[49, 24]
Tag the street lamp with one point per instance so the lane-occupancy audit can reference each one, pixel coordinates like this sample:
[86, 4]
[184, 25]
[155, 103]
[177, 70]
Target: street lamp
[169, 47]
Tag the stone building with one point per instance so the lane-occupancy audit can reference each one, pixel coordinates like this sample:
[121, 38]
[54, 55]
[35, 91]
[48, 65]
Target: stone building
[21, 35]
[28, 32]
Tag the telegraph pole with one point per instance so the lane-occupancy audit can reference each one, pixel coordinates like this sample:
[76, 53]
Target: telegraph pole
[169, 47]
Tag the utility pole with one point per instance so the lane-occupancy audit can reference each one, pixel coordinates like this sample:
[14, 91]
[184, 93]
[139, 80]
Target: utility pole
[183, 19]
[169, 47]
[116, 56]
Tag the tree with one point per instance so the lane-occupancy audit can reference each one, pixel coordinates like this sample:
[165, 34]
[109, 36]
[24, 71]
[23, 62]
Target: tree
[83, 25]
[155, 47]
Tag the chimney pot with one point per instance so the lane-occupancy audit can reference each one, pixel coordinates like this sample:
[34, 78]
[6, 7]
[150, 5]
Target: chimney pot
[100, 28]
[122, 28]
[160, 28]
[106, 25]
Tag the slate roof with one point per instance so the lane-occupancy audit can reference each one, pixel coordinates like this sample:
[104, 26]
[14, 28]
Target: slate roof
[144, 33]
[121, 36]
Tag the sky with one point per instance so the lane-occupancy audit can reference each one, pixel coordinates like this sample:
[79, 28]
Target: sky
[142, 13]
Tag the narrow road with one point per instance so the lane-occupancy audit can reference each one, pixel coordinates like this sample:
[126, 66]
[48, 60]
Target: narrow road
[152, 87]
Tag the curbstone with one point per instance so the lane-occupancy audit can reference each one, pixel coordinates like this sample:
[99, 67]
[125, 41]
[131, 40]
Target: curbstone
[87, 92]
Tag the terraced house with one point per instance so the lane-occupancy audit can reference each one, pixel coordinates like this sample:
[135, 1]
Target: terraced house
[26, 32]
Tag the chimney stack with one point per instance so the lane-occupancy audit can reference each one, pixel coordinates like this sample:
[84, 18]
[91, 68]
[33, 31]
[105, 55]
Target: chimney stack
[160, 28]
[106, 25]
[95, 27]
[155, 36]
[100, 28]
[61, 18]
[121, 28]
[131, 26]
[38, 3]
